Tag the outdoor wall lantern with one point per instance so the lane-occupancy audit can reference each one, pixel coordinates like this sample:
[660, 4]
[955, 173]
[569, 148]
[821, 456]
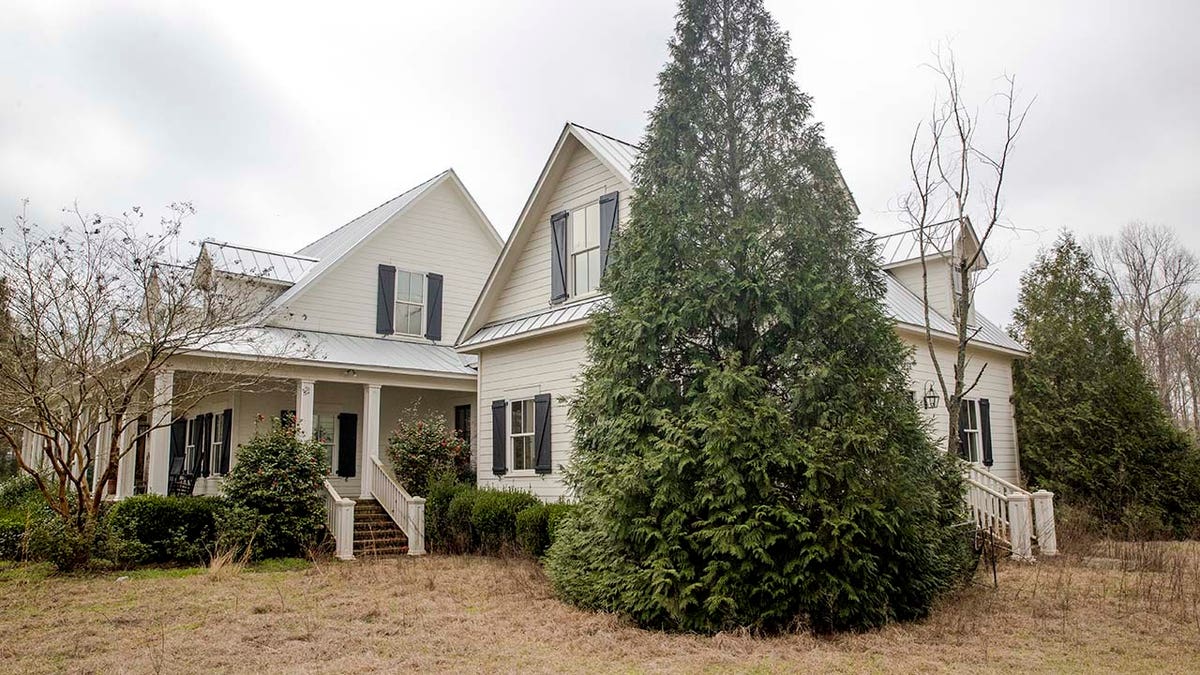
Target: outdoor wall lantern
[931, 398]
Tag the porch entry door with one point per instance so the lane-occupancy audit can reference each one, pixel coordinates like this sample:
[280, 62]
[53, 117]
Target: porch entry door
[337, 432]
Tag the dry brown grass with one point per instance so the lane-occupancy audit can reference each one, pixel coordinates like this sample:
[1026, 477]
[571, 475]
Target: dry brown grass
[471, 614]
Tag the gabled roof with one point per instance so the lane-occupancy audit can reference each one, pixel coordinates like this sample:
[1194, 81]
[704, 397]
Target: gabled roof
[335, 246]
[617, 155]
[903, 247]
[255, 262]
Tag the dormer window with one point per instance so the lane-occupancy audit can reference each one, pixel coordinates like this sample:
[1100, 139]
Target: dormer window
[410, 302]
[585, 249]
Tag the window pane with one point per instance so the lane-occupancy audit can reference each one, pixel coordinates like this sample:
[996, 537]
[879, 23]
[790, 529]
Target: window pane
[416, 287]
[593, 225]
[581, 273]
[593, 269]
[516, 419]
[527, 409]
[579, 230]
[402, 286]
[408, 318]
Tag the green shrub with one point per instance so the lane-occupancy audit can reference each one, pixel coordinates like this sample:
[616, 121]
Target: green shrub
[438, 536]
[536, 527]
[424, 450]
[157, 529]
[276, 491]
[19, 494]
[460, 536]
[12, 536]
[494, 518]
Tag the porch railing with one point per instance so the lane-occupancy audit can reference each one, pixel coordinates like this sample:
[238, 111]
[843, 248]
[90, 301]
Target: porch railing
[1010, 513]
[407, 511]
[339, 515]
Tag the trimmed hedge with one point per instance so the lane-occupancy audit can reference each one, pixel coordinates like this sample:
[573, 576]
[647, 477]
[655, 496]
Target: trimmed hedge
[494, 518]
[158, 529]
[536, 527]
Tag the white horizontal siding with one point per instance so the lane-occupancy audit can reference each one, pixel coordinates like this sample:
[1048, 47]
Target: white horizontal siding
[582, 182]
[440, 233]
[995, 385]
[518, 371]
[941, 295]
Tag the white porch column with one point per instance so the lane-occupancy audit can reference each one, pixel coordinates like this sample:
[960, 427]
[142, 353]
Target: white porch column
[128, 461]
[1019, 522]
[370, 446]
[305, 392]
[100, 453]
[30, 452]
[1043, 522]
[159, 460]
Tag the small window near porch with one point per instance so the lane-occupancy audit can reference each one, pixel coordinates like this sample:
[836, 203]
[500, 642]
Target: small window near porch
[325, 433]
[218, 441]
[969, 423]
[521, 435]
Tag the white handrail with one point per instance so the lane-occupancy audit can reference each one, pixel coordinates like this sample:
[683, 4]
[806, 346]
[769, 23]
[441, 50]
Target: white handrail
[405, 510]
[339, 516]
[1004, 509]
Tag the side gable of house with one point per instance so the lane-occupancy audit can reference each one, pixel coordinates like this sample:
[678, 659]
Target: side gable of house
[586, 180]
[412, 273]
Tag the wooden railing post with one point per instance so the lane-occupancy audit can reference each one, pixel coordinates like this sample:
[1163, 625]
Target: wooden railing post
[416, 519]
[1043, 522]
[1018, 526]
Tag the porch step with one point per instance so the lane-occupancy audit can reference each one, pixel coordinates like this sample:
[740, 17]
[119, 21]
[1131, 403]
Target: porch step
[375, 533]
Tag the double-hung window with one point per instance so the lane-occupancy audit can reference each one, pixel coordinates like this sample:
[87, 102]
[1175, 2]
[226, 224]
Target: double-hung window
[969, 423]
[410, 302]
[521, 435]
[585, 249]
[218, 441]
[325, 433]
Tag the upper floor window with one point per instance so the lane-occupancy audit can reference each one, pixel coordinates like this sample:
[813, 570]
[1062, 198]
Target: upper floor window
[969, 423]
[410, 302]
[585, 249]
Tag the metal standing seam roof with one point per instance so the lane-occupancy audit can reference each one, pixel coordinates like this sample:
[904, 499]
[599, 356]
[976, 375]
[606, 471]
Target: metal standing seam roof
[906, 307]
[903, 246]
[349, 350]
[548, 319]
[253, 262]
[619, 154]
[901, 303]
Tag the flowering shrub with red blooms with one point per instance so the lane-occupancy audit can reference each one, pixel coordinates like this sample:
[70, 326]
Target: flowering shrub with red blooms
[424, 449]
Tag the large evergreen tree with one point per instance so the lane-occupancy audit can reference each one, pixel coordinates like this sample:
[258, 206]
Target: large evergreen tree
[1092, 428]
[748, 452]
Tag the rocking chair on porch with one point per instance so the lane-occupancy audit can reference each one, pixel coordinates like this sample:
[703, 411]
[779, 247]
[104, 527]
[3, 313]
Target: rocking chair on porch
[181, 484]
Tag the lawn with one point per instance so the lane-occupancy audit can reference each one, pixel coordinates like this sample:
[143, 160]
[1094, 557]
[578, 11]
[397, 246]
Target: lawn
[471, 614]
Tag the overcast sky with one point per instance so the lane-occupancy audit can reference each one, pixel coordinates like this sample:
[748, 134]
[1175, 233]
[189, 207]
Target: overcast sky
[280, 123]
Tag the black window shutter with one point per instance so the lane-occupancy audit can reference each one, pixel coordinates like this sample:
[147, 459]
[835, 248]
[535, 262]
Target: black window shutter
[499, 440]
[178, 441]
[608, 226]
[433, 307]
[963, 449]
[558, 257]
[347, 444]
[385, 304]
[204, 449]
[226, 442]
[541, 436]
[985, 429]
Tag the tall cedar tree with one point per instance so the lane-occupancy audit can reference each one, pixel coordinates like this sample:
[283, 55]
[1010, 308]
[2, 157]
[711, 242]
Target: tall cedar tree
[1092, 428]
[747, 451]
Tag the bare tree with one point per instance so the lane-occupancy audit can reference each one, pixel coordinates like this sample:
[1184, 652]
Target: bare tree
[1153, 277]
[96, 309]
[958, 182]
